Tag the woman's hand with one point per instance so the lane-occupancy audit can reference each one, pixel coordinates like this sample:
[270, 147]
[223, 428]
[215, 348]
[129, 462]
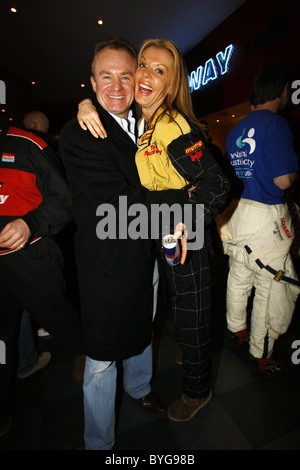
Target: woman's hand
[180, 231]
[88, 118]
[190, 190]
[15, 235]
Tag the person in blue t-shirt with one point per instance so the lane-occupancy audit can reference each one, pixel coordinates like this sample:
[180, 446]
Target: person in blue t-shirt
[258, 235]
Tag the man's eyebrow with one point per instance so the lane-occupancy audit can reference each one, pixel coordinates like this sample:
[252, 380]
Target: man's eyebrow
[105, 72]
[110, 72]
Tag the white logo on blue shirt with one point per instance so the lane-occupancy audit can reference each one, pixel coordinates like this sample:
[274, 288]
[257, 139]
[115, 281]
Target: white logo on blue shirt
[240, 142]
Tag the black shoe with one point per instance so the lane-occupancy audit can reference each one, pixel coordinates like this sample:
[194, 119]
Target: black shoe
[152, 403]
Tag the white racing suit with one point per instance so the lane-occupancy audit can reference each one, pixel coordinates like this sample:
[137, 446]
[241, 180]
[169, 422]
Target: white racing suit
[257, 237]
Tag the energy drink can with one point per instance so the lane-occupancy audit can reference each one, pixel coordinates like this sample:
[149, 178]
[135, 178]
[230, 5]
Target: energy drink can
[172, 250]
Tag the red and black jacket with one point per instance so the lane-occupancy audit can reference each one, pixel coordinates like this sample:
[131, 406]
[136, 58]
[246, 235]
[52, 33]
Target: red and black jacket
[32, 186]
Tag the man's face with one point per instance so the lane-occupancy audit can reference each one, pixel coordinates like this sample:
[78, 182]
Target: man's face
[113, 80]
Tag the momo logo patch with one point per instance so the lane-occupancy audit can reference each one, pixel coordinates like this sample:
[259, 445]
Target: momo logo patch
[194, 147]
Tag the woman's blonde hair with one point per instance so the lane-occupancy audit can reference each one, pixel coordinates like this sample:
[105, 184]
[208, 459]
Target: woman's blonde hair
[179, 98]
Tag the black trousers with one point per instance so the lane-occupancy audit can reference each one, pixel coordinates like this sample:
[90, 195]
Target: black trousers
[32, 279]
[188, 286]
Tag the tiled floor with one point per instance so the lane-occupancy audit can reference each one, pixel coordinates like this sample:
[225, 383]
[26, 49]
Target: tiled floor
[247, 412]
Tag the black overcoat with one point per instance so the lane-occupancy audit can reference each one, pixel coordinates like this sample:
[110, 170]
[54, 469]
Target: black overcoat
[114, 275]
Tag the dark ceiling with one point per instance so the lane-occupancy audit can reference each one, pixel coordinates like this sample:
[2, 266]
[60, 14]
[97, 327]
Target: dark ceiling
[51, 41]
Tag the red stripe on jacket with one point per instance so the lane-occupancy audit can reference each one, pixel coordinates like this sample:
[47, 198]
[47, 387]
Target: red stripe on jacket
[14, 131]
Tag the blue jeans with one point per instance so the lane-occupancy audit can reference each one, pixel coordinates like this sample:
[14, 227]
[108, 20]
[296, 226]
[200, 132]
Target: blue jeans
[99, 389]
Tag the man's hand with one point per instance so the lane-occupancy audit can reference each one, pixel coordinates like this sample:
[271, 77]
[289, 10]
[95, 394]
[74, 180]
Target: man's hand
[88, 118]
[15, 235]
[180, 231]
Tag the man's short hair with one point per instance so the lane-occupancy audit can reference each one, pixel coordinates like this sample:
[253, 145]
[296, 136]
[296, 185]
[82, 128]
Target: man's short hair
[113, 42]
[36, 121]
[270, 81]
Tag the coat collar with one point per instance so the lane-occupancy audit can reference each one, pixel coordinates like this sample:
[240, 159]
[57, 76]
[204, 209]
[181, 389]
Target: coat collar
[112, 127]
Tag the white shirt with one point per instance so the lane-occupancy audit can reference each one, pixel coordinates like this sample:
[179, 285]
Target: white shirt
[127, 124]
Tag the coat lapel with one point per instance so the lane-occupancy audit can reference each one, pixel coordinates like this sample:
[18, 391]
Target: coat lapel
[125, 148]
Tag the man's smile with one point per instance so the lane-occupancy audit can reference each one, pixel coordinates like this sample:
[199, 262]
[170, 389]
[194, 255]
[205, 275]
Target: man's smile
[116, 97]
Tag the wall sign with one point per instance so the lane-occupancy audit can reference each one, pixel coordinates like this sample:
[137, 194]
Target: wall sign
[211, 70]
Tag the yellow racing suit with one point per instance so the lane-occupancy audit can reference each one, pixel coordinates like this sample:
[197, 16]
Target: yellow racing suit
[171, 155]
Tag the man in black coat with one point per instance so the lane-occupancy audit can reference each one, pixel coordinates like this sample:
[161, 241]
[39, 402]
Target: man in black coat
[115, 273]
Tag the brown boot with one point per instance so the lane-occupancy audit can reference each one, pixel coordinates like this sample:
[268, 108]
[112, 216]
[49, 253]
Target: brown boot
[185, 408]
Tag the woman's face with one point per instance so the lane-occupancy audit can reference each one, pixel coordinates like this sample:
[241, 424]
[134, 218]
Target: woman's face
[153, 79]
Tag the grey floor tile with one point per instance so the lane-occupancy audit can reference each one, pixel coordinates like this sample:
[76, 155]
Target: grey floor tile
[261, 413]
[229, 372]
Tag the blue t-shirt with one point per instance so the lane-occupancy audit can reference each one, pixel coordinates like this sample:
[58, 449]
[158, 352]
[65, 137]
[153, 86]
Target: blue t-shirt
[261, 148]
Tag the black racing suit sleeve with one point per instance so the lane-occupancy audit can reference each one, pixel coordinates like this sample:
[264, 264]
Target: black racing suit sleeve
[198, 166]
[55, 210]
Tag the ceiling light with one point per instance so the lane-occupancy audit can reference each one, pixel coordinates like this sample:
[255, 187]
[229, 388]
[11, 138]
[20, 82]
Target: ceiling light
[82, 85]
[32, 83]
[100, 21]
[13, 8]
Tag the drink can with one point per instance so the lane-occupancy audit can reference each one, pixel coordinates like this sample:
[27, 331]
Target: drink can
[172, 250]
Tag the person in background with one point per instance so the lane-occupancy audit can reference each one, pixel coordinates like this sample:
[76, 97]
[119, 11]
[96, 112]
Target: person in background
[38, 123]
[31, 359]
[172, 155]
[258, 235]
[35, 204]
